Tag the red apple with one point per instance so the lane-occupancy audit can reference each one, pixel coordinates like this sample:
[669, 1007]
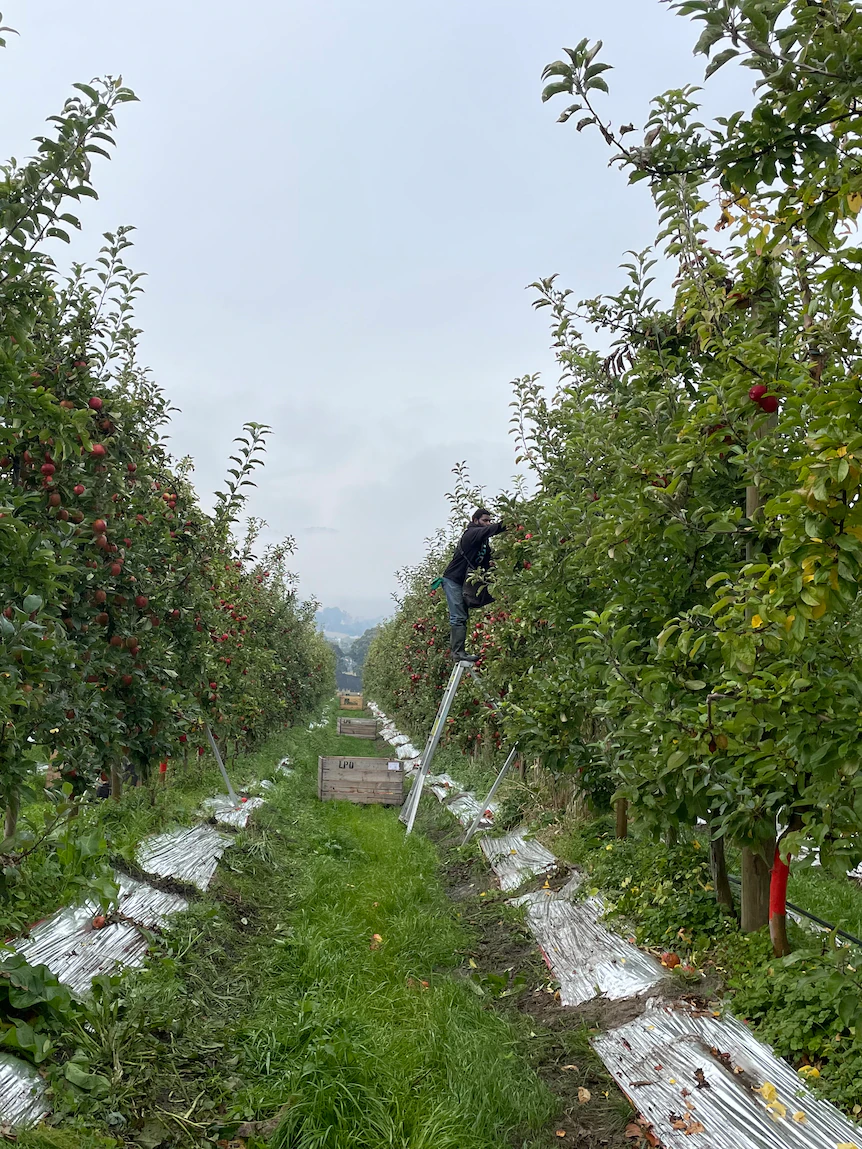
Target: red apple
[756, 393]
[95, 404]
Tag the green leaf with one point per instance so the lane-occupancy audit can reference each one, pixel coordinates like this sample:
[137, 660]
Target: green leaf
[719, 61]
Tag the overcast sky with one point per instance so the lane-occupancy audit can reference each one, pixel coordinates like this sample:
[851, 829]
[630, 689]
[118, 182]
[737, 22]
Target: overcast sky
[339, 205]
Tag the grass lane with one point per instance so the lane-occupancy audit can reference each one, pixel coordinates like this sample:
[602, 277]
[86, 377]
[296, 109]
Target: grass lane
[315, 998]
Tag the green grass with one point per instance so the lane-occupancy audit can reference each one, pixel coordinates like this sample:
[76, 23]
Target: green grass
[837, 900]
[294, 994]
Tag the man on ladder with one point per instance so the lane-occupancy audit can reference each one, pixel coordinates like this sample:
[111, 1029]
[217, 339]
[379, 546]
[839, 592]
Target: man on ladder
[472, 554]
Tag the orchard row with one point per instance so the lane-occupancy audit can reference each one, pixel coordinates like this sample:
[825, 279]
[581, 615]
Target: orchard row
[129, 616]
[678, 619]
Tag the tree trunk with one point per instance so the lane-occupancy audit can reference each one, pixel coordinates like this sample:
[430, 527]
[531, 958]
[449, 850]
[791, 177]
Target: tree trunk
[12, 808]
[718, 867]
[778, 893]
[622, 818]
[755, 889]
[116, 782]
[672, 836]
[778, 904]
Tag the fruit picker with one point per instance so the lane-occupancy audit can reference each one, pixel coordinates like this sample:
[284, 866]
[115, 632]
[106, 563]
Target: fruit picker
[463, 580]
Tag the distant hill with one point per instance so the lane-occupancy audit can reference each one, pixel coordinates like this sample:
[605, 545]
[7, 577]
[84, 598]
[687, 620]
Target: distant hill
[334, 621]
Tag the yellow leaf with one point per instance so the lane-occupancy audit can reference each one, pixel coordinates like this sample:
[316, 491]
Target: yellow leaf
[841, 452]
[808, 1071]
[767, 1091]
[854, 202]
[584, 1095]
[757, 621]
[788, 622]
[799, 1117]
[833, 578]
[777, 1110]
[847, 1145]
[819, 610]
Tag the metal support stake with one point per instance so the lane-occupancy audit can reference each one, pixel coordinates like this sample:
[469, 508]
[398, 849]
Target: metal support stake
[507, 766]
[411, 806]
[217, 753]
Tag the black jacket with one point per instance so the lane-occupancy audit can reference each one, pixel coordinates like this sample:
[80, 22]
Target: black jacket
[474, 546]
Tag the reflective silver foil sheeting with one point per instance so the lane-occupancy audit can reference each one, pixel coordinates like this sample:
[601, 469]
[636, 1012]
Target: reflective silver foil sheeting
[22, 1093]
[75, 952]
[285, 767]
[585, 958]
[707, 1083]
[466, 806]
[226, 814]
[189, 854]
[442, 786]
[406, 750]
[144, 904]
[514, 858]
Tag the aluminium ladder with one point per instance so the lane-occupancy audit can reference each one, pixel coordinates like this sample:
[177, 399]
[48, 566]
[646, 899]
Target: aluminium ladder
[411, 806]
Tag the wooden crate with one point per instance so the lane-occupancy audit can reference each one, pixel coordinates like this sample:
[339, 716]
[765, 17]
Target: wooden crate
[358, 727]
[360, 780]
[349, 700]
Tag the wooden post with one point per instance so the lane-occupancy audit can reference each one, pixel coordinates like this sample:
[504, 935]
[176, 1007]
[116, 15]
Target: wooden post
[756, 873]
[622, 818]
[116, 782]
